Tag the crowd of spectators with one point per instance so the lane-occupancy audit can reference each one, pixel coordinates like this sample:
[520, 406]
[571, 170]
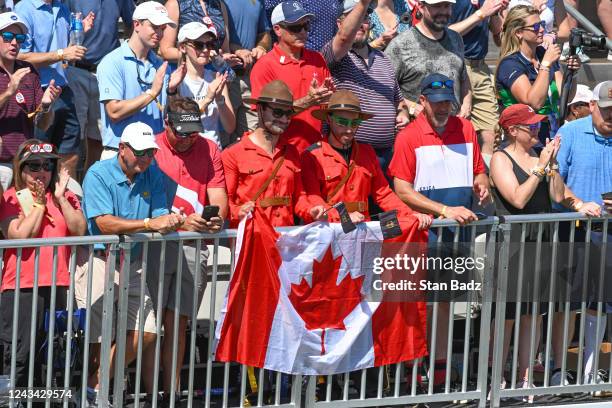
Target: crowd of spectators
[288, 107]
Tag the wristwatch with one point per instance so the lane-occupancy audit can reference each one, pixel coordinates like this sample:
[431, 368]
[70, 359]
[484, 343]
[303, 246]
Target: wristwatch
[60, 54]
[146, 223]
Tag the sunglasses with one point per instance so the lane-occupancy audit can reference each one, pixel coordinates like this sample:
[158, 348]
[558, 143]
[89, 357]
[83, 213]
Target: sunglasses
[535, 27]
[36, 166]
[7, 37]
[279, 113]
[201, 46]
[532, 128]
[141, 153]
[441, 84]
[297, 28]
[353, 123]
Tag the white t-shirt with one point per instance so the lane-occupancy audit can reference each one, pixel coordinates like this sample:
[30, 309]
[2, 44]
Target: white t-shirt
[196, 89]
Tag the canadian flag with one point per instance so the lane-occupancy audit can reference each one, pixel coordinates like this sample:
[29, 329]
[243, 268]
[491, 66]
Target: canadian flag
[300, 303]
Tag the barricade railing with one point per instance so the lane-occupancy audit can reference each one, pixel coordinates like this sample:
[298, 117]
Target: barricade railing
[460, 331]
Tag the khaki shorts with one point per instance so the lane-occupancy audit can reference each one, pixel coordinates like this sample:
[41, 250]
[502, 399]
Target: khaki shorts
[97, 298]
[187, 282]
[484, 101]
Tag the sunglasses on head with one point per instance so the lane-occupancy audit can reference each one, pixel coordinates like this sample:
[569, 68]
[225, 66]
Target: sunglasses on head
[441, 84]
[141, 153]
[7, 37]
[297, 28]
[279, 113]
[36, 166]
[201, 46]
[535, 27]
[353, 123]
[41, 148]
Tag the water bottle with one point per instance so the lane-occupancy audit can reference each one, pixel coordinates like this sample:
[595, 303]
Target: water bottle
[221, 66]
[76, 29]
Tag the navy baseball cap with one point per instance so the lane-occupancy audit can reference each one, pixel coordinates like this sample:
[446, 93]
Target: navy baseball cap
[288, 12]
[438, 88]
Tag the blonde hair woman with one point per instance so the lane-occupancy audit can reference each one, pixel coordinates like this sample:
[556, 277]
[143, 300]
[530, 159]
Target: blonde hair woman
[527, 73]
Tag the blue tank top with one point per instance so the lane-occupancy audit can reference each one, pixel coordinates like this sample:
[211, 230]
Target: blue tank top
[191, 10]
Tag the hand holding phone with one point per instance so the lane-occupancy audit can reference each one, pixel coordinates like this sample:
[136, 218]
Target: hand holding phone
[210, 211]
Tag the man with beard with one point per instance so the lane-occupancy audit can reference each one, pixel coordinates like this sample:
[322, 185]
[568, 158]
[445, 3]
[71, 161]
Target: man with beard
[436, 168]
[427, 48]
[369, 74]
[132, 80]
[263, 168]
[302, 70]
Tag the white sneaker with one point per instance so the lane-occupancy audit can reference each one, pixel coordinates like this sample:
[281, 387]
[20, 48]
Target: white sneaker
[525, 385]
[502, 386]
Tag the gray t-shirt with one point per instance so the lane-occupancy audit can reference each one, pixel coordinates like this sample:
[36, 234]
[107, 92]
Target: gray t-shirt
[414, 56]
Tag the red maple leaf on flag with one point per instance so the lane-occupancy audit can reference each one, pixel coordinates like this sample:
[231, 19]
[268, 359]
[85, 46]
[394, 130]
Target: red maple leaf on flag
[325, 304]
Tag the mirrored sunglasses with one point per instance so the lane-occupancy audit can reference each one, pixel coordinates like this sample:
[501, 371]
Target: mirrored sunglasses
[7, 37]
[353, 123]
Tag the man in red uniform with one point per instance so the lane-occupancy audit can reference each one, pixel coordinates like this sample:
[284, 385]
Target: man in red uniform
[263, 168]
[340, 169]
[304, 71]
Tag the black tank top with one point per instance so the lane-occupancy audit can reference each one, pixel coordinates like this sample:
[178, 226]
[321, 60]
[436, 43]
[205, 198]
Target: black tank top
[538, 203]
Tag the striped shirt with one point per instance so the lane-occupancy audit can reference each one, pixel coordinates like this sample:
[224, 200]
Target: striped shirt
[15, 126]
[374, 82]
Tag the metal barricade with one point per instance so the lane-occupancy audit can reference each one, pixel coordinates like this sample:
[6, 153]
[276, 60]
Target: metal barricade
[467, 356]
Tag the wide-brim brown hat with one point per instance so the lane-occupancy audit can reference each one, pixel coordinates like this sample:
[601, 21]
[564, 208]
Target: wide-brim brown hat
[276, 92]
[342, 101]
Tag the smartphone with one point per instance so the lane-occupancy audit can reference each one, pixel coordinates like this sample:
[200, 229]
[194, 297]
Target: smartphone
[481, 216]
[607, 196]
[26, 200]
[210, 211]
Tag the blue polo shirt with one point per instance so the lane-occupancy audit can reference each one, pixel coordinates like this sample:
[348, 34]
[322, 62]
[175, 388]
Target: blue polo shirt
[585, 160]
[104, 35]
[247, 20]
[121, 76]
[48, 30]
[107, 190]
[476, 40]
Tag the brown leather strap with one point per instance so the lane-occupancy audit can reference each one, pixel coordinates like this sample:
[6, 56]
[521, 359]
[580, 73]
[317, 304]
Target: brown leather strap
[352, 206]
[274, 201]
[341, 184]
[265, 185]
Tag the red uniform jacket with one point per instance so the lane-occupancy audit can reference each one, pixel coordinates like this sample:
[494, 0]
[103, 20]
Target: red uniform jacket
[324, 168]
[247, 167]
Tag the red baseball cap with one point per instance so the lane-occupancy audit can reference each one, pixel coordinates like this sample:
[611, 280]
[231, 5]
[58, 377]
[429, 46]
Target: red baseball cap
[519, 114]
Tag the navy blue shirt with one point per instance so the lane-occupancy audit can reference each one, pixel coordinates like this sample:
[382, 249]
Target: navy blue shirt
[247, 20]
[103, 36]
[476, 40]
[324, 24]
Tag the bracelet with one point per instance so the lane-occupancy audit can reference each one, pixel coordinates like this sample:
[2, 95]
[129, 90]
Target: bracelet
[545, 64]
[147, 224]
[38, 205]
[171, 93]
[220, 101]
[150, 93]
[262, 47]
[45, 110]
[578, 205]
[443, 212]
[480, 15]
[554, 166]
[539, 172]
[543, 68]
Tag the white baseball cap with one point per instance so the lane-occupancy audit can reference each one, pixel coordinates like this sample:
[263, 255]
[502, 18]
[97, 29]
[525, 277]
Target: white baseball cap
[583, 94]
[602, 93]
[194, 30]
[139, 135]
[437, 1]
[153, 11]
[9, 18]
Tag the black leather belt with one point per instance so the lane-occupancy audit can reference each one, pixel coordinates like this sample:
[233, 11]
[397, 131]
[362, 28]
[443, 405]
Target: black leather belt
[86, 66]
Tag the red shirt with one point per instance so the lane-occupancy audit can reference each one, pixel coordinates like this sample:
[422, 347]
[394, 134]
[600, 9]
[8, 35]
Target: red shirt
[304, 129]
[248, 166]
[324, 168]
[190, 173]
[15, 126]
[48, 229]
